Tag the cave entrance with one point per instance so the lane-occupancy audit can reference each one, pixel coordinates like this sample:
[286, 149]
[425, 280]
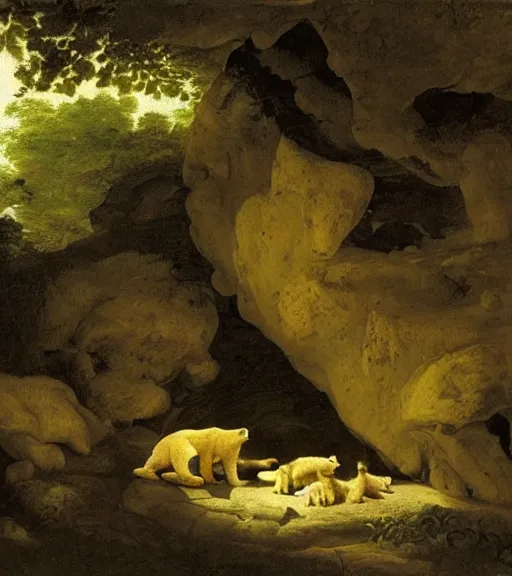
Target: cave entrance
[276, 95]
[499, 425]
[440, 107]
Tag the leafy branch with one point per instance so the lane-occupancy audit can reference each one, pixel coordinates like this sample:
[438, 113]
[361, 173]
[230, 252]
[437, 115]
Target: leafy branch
[59, 49]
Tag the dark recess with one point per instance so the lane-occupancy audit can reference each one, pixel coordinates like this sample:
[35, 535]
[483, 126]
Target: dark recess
[400, 197]
[499, 426]
[440, 107]
[304, 42]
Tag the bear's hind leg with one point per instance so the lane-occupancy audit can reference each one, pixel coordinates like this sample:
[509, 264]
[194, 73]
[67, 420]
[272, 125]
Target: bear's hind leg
[153, 464]
[192, 481]
[182, 453]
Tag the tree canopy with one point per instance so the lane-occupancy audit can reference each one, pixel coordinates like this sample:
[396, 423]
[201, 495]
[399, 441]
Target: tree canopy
[69, 43]
[66, 157]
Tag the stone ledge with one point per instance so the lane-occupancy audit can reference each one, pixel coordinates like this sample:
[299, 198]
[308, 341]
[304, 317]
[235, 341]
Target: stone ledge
[252, 524]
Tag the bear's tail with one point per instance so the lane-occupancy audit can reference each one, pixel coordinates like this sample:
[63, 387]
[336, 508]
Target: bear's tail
[268, 476]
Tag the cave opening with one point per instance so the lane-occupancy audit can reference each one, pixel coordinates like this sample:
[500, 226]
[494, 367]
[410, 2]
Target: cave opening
[462, 115]
[276, 97]
[498, 425]
[306, 44]
[409, 212]
[440, 107]
[404, 209]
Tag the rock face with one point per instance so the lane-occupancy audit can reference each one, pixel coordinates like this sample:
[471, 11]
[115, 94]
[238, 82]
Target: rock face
[424, 81]
[38, 415]
[286, 415]
[413, 347]
[126, 327]
[486, 166]
[327, 111]
[242, 157]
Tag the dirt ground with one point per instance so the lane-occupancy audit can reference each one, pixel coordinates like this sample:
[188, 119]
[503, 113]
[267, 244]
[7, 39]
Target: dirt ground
[224, 531]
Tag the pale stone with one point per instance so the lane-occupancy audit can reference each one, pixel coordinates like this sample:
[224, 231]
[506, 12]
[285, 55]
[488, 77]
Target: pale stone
[486, 184]
[472, 453]
[117, 395]
[202, 373]
[234, 144]
[134, 328]
[30, 429]
[459, 388]
[17, 471]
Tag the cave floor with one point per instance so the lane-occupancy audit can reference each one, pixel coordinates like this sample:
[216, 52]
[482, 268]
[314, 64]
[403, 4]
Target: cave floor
[415, 530]
[155, 528]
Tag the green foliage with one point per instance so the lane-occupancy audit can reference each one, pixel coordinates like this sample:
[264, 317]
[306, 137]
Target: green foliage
[152, 122]
[9, 190]
[65, 51]
[59, 146]
[12, 39]
[67, 156]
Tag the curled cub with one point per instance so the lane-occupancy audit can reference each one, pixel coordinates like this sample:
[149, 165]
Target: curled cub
[300, 472]
[212, 445]
[328, 491]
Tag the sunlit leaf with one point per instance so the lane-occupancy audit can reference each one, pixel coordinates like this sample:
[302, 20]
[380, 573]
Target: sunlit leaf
[85, 69]
[151, 87]
[171, 90]
[69, 88]
[103, 82]
[15, 48]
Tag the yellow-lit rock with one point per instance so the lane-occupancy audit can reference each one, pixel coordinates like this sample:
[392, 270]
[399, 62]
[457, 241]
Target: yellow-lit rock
[362, 325]
[133, 327]
[485, 183]
[388, 55]
[115, 393]
[311, 207]
[359, 324]
[469, 384]
[39, 413]
[472, 455]
[228, 160]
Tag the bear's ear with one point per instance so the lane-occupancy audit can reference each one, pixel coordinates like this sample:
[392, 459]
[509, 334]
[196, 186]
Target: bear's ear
[243, 432]
[333, 459]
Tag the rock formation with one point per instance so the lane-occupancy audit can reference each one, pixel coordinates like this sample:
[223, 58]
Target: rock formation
[389, 336]
[126, 327]
[349, 176]
[347, 180]
[38, 415]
